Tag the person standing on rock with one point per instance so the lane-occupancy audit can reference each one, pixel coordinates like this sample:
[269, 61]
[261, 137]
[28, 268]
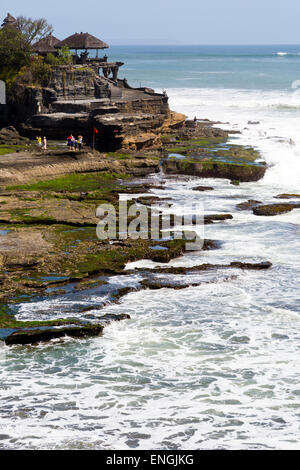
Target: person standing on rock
[69, 142]
[39, 141]
[44, 143]
[80, 139]
[73, 143]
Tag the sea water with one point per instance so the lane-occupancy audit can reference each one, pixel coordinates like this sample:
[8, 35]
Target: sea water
[208, 367]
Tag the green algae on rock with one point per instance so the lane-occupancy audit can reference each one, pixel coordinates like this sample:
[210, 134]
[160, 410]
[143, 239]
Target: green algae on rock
[248, 204]
[212, 157]
[287, 196]
[274, 209]
[243, 172]
[72, 329]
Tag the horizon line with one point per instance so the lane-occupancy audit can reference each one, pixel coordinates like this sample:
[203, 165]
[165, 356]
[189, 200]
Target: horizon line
[212, 45]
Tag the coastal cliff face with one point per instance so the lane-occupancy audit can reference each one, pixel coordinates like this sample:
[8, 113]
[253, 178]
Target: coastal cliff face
[72, 83]
[76, 100]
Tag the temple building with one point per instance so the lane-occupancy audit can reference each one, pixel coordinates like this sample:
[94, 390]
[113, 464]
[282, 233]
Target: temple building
[9, 21]
[85, 42]
[81, 44]
[46, 45]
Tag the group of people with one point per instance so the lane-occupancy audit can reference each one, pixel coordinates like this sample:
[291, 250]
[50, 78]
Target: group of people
[74, 144]
[42, 142]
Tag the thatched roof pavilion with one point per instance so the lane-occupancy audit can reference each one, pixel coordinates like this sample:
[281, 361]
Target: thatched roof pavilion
[9, 21]
[82, 41]
[46, 45]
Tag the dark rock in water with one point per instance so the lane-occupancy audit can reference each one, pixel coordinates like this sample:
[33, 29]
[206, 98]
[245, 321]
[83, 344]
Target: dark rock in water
[121, 293]
[274, 209]
[35, 335]
[240, 339]
[148, 200]
[155, 285]
[253, 122]
[235, 182]
[193, 219]
[158, 186]
[235, 172]
[287, 196]
[248, 205]
[208, 267]
[110, 317]
[217, 217]
[212, 244]
[263, 265]
[83, 330]
[203, 188]
[278, 336]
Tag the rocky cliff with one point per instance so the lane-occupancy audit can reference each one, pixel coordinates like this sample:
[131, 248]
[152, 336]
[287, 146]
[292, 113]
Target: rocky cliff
[76, 100]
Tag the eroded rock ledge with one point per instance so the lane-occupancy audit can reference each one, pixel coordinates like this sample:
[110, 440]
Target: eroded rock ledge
[34, 335]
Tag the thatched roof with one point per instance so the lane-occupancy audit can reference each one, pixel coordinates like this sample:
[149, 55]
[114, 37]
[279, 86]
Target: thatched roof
[82, 41]
[46, 45]
[9, 21]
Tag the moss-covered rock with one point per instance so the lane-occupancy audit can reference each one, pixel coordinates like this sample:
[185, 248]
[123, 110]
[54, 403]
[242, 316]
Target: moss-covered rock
[43, 334]
[274, 209]
[248, 204]
[215, 169]
[203, 188]
[287, 196]
[207, 267]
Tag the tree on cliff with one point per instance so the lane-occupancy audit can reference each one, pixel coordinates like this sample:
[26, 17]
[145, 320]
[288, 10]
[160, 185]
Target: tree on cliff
[15, 45]
[33, 30]
[15, 52]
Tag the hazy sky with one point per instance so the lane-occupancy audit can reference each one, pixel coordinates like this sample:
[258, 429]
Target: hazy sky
[169, 21]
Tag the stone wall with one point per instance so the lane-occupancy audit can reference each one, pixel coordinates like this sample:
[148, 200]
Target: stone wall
[72, 83]
[153, 105]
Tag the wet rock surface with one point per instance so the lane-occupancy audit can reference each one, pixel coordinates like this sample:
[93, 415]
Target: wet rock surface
[202, 150]
[275, 209]
[203, 188]
[214, 169]
[44, 334]
[10, 136]
[24, 167]
[207, 267]
[248, 204]
[287, 196]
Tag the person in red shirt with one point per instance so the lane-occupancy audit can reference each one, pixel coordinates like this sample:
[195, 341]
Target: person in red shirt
[70, 142]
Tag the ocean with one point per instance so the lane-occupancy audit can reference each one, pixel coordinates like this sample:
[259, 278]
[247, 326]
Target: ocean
[207, 367]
